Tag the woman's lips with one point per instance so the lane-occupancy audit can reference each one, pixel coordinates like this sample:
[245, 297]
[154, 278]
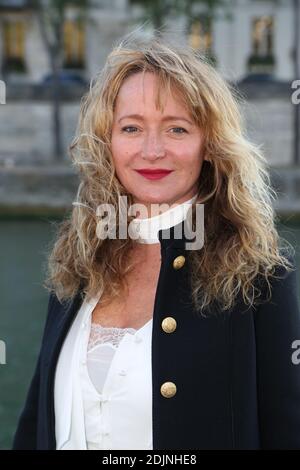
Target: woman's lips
[154, 174]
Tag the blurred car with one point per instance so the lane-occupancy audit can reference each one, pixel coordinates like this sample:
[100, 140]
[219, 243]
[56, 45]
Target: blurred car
[258, 77]
[65, 78]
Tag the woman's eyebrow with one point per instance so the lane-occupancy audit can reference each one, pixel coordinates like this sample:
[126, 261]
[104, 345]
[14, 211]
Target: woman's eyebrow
[165, 118]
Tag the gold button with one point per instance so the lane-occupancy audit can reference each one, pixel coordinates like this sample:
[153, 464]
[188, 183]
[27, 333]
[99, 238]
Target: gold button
[168, 389]
[169, 324]
[178, 262]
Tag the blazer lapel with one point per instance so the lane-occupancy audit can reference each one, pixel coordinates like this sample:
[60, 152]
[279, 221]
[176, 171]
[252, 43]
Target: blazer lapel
[65, 314]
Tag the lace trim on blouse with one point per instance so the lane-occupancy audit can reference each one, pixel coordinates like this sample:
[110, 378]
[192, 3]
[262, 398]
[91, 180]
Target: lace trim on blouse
[107, 335]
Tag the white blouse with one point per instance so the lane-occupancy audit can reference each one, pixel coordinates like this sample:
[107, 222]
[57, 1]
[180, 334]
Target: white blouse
[116, 385]
[105, 404]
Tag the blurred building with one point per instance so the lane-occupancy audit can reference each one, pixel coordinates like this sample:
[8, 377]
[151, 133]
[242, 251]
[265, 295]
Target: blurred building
[23, 57]
[252, 46]
[257, 38]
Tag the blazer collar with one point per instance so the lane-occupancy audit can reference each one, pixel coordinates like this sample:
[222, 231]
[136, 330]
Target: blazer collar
[174, 237]
[65, 314]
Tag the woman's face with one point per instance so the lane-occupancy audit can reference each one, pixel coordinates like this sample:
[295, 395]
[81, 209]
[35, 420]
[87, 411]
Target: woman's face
[145, 138]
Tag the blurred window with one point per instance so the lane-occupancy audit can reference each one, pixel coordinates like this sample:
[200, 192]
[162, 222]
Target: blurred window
[262, 36]
[14, 45]
[74, 44]
[200, 36]
[262, 58]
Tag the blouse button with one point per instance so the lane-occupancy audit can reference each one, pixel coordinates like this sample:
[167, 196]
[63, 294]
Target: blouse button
[105, 399]
[122, 372]
[105, 431]
[138, 339]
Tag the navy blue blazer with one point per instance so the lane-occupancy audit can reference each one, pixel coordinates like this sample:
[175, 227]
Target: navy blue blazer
[238, 386]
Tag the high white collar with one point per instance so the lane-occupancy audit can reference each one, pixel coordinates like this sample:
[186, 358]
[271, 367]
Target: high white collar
[146, 230]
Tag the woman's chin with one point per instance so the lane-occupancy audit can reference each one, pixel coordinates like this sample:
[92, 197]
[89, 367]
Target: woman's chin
[151, 199]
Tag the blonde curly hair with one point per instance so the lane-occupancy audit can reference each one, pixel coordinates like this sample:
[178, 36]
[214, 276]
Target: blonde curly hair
[241, 243]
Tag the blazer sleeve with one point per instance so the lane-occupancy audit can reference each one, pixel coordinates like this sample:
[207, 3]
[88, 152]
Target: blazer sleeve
[277, 325]
[26, 433]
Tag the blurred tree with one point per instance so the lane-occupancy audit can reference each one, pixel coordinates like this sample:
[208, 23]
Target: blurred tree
[296, 60]
[51, 16]
[154, 11]
[198, 15]
[157, 11]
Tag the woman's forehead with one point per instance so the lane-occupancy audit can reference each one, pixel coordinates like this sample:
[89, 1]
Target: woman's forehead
[147, 90]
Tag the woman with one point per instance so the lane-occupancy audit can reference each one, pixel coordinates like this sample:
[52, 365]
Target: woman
[150, 343]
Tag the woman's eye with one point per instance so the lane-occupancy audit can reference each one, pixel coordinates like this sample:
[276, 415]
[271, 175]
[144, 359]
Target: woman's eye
[132, 129]
[180, 128]
[124, 129]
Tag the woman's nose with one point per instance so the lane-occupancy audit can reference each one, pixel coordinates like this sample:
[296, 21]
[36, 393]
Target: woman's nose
[153, 147]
